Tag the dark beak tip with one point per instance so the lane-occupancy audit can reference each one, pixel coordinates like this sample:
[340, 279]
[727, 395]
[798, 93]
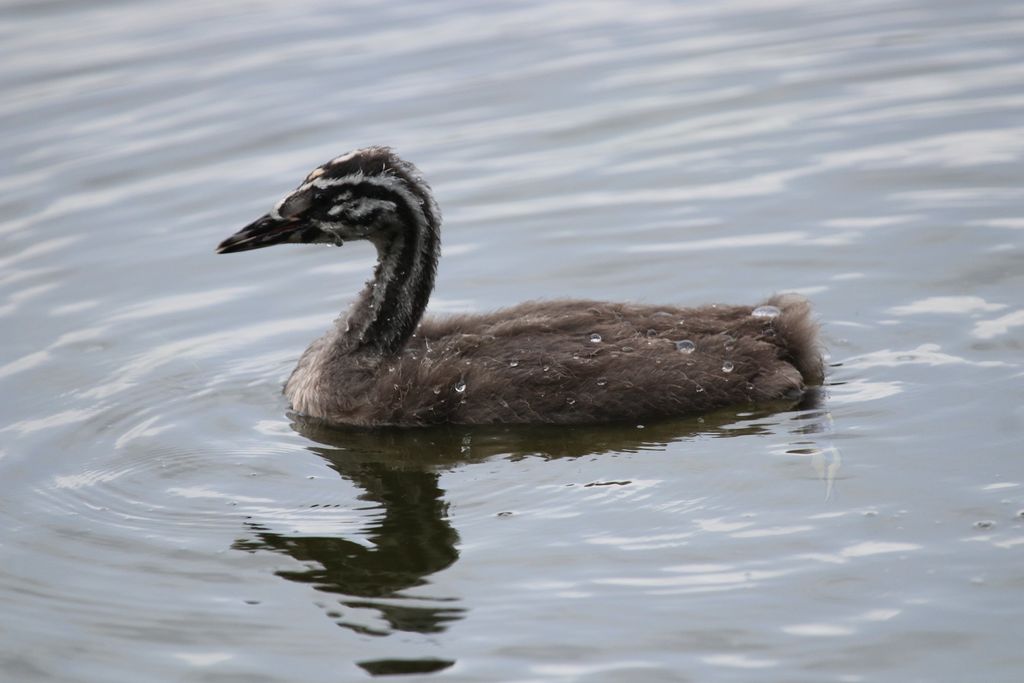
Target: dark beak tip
[225, 247]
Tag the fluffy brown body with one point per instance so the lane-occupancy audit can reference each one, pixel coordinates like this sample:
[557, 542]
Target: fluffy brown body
[536, 363]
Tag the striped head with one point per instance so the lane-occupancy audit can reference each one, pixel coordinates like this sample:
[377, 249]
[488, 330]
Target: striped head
[368, 194]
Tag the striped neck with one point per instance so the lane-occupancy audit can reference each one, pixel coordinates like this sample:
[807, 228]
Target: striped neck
[391, 305]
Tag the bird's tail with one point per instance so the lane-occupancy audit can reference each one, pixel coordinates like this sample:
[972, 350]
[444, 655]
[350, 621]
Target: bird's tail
[798, 332]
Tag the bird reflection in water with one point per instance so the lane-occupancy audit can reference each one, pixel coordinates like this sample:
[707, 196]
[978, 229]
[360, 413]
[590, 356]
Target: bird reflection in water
[412, 537]
[411, 541]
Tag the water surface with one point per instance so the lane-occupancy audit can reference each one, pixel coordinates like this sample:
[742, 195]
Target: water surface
[161, 512]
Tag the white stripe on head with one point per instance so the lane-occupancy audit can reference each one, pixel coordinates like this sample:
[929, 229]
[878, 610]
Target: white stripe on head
[324, 183]
[343, 157]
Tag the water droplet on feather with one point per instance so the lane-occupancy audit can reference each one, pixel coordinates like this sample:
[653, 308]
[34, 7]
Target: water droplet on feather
[685, 346]
[766, 312]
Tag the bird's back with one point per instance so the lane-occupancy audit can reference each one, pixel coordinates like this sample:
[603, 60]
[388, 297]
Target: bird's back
[573, 361]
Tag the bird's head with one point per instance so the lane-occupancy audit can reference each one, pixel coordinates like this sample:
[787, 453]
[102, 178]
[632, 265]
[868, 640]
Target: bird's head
[368, 194]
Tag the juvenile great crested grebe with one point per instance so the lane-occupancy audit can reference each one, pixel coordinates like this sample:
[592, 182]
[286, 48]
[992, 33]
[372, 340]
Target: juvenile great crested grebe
[563, 361]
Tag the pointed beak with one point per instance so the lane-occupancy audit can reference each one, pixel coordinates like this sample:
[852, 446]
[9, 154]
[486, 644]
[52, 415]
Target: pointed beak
[263, 232]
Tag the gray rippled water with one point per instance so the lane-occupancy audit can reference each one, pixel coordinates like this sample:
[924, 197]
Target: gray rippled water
[162, 516]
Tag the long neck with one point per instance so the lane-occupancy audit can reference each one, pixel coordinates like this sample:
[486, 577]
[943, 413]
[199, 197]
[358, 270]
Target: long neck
[391, 305]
